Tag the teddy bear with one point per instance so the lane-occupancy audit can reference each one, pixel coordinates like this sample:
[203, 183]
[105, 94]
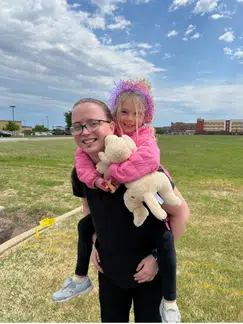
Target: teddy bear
[119, 149]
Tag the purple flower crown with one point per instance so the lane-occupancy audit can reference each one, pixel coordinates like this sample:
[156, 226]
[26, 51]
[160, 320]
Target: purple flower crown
[142, 87]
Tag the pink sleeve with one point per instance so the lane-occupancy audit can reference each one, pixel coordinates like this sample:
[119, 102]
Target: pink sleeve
[143, 161]
[85, 169]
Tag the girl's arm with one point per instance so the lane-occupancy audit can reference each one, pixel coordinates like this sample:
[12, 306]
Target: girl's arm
[179, 215]
[85, 169]
[144, 160]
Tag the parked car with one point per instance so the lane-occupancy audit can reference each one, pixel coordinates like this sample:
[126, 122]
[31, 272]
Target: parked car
[58, 132]
[5, 134]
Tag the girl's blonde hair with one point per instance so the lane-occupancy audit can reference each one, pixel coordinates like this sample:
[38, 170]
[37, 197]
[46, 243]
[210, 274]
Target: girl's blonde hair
[138, 102]
[139, 90]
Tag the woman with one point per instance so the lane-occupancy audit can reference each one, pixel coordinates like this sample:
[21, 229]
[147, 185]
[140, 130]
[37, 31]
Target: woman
[127, 270]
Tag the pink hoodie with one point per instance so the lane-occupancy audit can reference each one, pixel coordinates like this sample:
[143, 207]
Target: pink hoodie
[145, 160]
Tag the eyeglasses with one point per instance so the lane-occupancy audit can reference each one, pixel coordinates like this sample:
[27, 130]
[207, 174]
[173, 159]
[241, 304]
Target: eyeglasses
[91, 126]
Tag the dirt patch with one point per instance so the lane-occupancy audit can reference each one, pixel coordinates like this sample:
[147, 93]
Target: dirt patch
[15, 223]
[8, 234]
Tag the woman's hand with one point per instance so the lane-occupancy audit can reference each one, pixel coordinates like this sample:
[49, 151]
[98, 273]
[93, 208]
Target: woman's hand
[146, 270]
[96, 260]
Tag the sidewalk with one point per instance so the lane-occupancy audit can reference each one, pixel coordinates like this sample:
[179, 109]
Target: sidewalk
[34, 269]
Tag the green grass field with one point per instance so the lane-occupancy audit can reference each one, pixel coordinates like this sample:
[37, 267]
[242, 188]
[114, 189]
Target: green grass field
[208, 170]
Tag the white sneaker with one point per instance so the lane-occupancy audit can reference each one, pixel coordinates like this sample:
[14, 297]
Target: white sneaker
[71, 289]
[169, 315]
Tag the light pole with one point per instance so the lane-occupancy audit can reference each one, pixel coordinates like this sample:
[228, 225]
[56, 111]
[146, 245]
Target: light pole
[47, 120]
[12, 110]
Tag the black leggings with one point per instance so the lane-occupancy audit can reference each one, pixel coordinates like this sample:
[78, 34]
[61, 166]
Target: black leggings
[166, 260]
[116, 302]
[85, 233]
[165, 251]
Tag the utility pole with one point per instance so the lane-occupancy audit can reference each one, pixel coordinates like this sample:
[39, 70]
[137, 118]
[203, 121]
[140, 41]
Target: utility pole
[47, 119]
[12, 110]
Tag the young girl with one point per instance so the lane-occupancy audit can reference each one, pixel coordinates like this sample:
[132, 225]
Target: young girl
[132, 108]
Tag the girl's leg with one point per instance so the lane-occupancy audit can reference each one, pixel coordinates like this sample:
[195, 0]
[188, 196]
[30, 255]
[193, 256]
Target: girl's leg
[166, 254]
[85, 233]
[79, 283]
[166, 261]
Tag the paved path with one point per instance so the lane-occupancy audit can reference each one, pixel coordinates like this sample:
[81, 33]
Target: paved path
[20, 139]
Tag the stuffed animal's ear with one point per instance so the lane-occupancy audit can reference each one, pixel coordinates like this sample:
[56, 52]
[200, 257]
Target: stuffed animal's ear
[110, 139]
[129, 142]
[103, 158]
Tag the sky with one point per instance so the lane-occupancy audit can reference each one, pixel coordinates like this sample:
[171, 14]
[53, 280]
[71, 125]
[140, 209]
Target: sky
[54, 52]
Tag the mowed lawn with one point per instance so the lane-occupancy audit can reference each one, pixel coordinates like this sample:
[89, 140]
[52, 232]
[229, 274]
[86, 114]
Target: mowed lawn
[208, 170]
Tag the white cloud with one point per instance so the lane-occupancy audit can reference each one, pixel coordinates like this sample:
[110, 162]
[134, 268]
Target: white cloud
[176, 4]
[205, 6]
[106, 39]
[60, 59]
[207, 98]
[75, 5]
[122, 47]
[141, 1]
[236, 54]
[239, 54]
[172, 33]
[217, 16]
[93, 21]
[138, 49]
[167, 56]
[190, 29]
[144, 45]
[107, 7]
[228, 51]
[196, 36]
[120, 23]
[241, 1]
[227, 37]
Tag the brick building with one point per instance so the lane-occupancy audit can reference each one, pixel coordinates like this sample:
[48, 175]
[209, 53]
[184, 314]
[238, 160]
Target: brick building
[3, 123]
[219, 126]
[183, 128]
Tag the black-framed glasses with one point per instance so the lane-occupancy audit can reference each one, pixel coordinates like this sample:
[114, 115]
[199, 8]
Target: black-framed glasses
[91, 126]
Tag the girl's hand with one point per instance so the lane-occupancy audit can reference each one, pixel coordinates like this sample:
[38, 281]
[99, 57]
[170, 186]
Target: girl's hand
[146, 270]
[107, 174]
[99, 183]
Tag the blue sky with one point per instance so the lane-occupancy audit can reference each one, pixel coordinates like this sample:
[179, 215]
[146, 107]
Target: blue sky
[53, 52]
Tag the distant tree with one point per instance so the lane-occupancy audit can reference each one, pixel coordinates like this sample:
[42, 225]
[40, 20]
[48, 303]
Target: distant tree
[159, 130]
[40, 128]
[68, 118]
[11, 126]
